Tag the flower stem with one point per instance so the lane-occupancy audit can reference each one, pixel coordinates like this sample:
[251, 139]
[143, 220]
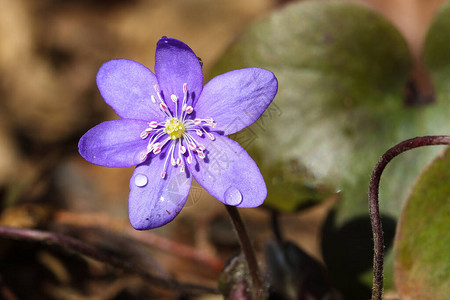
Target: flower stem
[259, 291]
[374, 210]
[93, 253]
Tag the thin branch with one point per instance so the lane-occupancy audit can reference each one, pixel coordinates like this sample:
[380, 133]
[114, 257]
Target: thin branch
[259, 290]
[375, 218]
[146, 237]
[93, 253]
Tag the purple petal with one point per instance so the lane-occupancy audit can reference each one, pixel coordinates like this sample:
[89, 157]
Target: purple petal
[237, 99]
[115, 143]
[153, 201]
[229, 174]
[127, 86]
[175, 65]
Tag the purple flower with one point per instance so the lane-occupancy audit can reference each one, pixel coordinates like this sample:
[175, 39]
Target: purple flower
[174, 129]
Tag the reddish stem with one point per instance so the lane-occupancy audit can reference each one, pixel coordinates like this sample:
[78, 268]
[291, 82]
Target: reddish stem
[375, 218]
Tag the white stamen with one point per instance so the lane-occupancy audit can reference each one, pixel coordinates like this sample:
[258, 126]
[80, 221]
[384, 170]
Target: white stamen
[157, 150]
[211, 136]
[143, 156]
[185, 141]
[163, 106]
[144, 134]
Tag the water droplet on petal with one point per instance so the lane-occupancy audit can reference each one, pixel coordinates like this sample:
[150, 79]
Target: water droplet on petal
[140, 180]
[233, 196]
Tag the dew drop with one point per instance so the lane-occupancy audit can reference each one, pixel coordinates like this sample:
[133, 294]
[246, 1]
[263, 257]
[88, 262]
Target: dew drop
[233, 196]
[140, 180]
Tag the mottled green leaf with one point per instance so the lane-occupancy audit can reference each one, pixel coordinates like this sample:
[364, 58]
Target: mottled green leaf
[342, 69]
[421, 247]
[437, 50]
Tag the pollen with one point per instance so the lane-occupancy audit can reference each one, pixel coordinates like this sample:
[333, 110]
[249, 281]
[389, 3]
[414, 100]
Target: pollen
[174, 128]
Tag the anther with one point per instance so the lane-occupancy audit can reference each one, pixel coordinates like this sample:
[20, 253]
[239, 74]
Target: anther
[174, 98]
[185, 88]
[163, 174]
[211, 136]
[157, 150]
[153, 99]
[144, 134]
[153, 124]
[197, 121]
[143, 156]
[163, 106]
[201, 154]
[189, 159]
[199, 132]
[183, 149]
[189, 109]
[156, 87]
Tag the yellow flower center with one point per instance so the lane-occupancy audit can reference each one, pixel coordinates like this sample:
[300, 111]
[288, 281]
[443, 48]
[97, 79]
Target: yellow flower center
[174, 128]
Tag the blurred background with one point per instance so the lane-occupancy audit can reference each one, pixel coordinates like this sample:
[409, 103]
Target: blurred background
[50, 52]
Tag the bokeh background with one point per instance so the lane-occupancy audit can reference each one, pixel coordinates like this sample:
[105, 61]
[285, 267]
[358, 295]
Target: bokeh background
[50, 52]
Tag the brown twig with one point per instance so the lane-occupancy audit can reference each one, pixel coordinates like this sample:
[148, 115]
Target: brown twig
[375, 218]
[145, 237]
[93, 253]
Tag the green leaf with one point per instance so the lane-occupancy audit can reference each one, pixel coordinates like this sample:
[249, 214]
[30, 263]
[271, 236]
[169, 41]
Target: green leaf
[341, 69]
[421, 247]
[437, 49]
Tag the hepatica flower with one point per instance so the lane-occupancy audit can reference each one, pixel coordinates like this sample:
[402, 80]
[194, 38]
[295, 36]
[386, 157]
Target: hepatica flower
[174, 129]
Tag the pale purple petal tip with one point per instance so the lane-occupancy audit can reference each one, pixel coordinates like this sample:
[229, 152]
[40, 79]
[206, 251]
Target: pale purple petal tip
[238, 98]
[127, 86]
[115, 143]
[229, 174]
[155, 201]
[175, 65]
